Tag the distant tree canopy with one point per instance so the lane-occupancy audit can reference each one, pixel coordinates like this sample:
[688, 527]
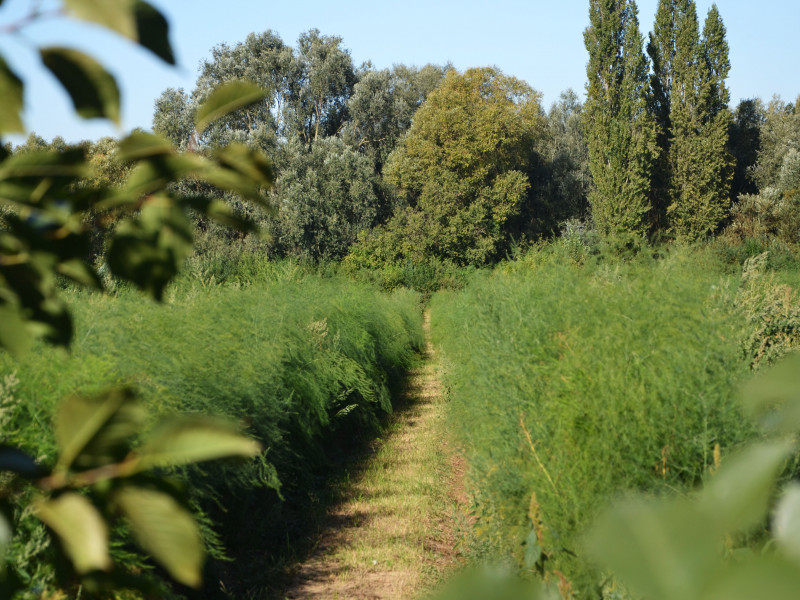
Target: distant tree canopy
[419, 163]
[462, 172]
[328, 127]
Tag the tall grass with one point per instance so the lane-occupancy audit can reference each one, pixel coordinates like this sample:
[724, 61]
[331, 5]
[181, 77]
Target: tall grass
[571, 385]
[307, 366]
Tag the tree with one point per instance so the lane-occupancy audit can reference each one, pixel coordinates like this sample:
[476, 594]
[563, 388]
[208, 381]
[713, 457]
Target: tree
[318, 102]
[382, 105]
[461, 172]
[173, 117]
[621, 133]
[561, 185]
[689, 101]
[325, 197]
[745, 144]
[780, 133]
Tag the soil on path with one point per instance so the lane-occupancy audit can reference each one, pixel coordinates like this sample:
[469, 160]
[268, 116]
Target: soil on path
[398, 531]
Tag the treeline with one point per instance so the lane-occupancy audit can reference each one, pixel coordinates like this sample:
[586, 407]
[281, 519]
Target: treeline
[426, 165]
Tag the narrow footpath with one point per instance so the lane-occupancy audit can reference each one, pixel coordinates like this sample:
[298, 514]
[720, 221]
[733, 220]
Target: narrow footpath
[399, 530]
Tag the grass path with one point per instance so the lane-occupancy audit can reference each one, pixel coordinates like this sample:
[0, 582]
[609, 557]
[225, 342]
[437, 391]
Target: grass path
[398, 529]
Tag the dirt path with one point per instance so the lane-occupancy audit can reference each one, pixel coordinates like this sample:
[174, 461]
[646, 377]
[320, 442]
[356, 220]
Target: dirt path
[398, 530]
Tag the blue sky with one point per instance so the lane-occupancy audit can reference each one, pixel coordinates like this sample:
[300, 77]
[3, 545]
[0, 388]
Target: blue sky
[539, 41]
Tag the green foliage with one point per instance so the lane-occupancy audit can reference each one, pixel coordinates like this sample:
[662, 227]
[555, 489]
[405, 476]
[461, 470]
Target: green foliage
[679, 548]
[461, 171]
[780, 133]
[326, 196]
[382, 105]
[745, 142]
[562, 184]
[701, 168]
[572, 385]
[621, 132]
[101, 475]
[772, 310]
[305, 361]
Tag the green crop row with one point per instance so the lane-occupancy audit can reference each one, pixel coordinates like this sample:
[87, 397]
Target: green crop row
[306, 365]
[573, 385]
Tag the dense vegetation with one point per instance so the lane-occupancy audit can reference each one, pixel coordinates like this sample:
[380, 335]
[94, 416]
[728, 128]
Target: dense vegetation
[591, 353]
[307, 363]
[571, 385]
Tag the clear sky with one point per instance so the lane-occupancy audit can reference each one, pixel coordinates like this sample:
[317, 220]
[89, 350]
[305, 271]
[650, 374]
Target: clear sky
[539, 41]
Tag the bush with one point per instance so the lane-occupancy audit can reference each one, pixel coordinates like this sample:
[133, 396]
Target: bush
[571, 385]
[307, 365]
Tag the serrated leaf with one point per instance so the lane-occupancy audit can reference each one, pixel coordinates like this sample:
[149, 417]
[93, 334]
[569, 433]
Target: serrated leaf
[69, 164]
[152, 31]
[95, 431]
[533, 551]
[15, 460]
[117, 15]
[11, 99]
[665, 551]
[93, 90]
[786, 522]
[737, 497]
[81, 529]
[165, 530]
[225, 99]
[194, 439]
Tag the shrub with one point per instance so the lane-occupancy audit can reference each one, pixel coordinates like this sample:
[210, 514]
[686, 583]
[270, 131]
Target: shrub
[571, 385]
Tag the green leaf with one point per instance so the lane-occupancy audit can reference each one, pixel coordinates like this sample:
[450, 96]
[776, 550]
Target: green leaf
[533, 551]
[80, 272]
[227, 98]
[93, 90]
[11, 99]
[140, 145]
[117, 15]
[81, 529]
[6, 533]
[95, 431]
[786, 522]
[773, 396]
[15, 460]
[666, 551]
[737, 497]
[14, 335]
[165, 530]
[149, 250]
[220, 212]
[136, 20]
[152, 31]
[763, 577]
[187, 440]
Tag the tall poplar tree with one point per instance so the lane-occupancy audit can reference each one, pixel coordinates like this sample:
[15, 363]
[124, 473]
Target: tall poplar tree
[698, 166]
[661, 49]
[621, 132]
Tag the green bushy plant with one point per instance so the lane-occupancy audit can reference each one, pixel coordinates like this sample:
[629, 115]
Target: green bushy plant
[306, 362]
[571, 385]
[772, 310]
